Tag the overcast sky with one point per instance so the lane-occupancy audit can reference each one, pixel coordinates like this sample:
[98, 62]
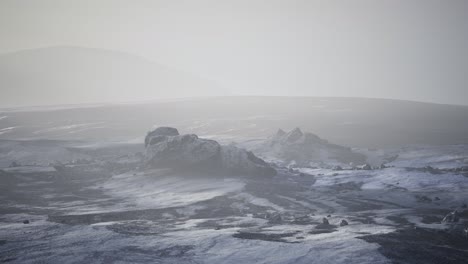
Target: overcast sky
[404, 49]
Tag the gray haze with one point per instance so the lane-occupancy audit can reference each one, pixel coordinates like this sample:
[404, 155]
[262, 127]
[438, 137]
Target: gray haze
[400, 49]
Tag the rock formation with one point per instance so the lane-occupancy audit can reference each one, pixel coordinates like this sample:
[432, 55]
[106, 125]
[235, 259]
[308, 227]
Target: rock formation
[305, 148]
[165, 147]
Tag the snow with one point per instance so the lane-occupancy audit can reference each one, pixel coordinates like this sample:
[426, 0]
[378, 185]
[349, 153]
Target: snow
[396, 177]
[155, 189]
[6, 130]
[60, 243]
[160, 216]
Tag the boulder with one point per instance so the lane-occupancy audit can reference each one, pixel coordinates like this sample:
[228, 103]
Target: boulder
[344, 223]
[325, 221]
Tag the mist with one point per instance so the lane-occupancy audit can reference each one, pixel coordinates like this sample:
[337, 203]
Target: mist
[410, 50]
[209, 131]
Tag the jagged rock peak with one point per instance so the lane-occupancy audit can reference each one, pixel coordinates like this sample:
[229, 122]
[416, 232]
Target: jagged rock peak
[294, 135]
[305, 147]
[280, 133]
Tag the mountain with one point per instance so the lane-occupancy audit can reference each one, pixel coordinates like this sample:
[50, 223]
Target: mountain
[64, 75]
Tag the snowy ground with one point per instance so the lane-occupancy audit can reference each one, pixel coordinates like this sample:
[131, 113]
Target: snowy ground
[102, 208]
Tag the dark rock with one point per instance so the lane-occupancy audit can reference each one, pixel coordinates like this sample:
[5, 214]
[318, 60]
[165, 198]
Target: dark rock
[328, 215]
[431, 170]
[26, 222]
[437, 198]
[344, 223]
[452, 217]
[423, 199]
[325, 221]
[275, 218]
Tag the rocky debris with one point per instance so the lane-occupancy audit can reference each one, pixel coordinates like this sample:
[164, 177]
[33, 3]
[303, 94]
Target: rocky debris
[165, 147]
[465, 232]
[423, 199]
[325, 225]
[304, 148]
[301, 219]
[26, 222]
[436, 198]
[458, 169]
[343, 223]
[382, 166]
[452, 217]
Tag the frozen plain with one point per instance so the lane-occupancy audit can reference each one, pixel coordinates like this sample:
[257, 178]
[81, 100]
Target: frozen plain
[99, 206]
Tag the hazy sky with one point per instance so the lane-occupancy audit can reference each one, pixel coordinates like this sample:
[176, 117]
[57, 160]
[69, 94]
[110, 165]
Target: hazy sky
[405, 49]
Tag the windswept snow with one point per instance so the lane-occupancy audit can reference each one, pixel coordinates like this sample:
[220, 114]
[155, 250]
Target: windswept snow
[100, 203]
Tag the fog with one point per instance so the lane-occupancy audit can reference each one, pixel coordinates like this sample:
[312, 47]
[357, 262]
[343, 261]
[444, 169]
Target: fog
[243, 131]
[411, 50]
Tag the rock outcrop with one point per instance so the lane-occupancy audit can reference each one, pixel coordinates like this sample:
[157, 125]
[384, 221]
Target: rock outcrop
[452, 217]
[304, 148]
[344, 222]
[165, 147]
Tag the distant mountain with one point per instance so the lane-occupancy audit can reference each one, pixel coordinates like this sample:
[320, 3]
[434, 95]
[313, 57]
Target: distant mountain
[64, 75]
